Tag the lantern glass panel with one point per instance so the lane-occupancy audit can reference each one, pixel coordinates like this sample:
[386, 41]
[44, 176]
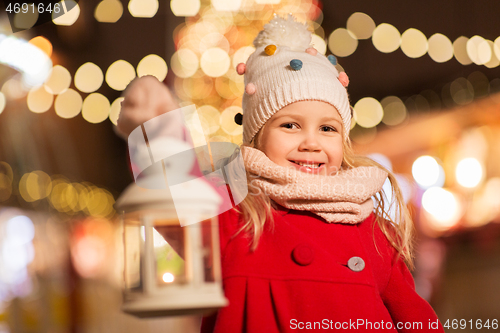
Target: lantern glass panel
[134, 247]
[169, 252]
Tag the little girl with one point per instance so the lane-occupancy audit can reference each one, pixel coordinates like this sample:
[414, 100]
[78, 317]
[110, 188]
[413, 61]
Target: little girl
[307, 248]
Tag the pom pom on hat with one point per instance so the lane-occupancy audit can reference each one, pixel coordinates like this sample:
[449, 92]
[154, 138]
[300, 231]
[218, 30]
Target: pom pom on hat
[270, 49]
[296, 64]
[284, 32]
[344, 79]
[332, 59]
[240, 69]
[311, 51]
[250, 89]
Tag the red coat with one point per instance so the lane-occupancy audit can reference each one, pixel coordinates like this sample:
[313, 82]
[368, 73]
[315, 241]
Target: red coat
[299, 278]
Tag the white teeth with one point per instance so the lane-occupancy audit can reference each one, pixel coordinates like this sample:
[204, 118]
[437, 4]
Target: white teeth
[312, 166]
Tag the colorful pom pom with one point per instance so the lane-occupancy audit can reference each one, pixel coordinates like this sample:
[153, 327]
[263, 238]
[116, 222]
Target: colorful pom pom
[270, 49]
[238, 118]
[296, 64]
[344, 79]
[311, 51]
[332, 59]
[240, 69]
[250, 89]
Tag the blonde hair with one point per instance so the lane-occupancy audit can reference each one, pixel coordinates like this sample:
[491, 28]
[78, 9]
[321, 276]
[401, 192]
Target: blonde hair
[257, 208]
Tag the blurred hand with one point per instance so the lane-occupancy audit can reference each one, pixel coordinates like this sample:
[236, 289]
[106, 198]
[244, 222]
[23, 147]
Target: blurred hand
[145, 98]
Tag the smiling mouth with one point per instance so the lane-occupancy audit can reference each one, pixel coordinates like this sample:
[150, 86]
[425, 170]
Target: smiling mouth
[310, 165]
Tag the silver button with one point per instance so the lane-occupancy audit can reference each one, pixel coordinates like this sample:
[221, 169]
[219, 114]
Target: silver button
[356, 264]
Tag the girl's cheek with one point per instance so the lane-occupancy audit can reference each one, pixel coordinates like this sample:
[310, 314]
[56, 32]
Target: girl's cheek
[333, 170]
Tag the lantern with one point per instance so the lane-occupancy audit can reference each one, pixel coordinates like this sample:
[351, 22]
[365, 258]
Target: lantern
[172, 256]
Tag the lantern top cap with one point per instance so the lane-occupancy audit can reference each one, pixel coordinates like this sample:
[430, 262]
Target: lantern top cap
[193, 196]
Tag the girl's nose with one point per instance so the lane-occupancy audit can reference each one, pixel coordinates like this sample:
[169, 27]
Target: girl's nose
[309, 143]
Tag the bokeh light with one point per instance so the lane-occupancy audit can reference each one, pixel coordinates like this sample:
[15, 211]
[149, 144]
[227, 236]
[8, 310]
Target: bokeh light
[20, 229]
[462, 91]
[95, 108]
[68, 104]
[414, 43]
[215, 62]
[427, 172]
[226, 5]
[480, 83]
[469, 172]
[185, 7]
[440, 48]
[88, 78]
[242, 54]
[114, 112]
[35, 186]
[6, 177]
[119, 75]
[342, 42]
[460, 50]
[361, 25]
[28, 19]
[31, 62]
[17, 252]
[478, 50]
[184, 63]
[153, 65]
[99, 202]
[497, 47]
[494, 61]
[394, 110]
[227, 121]
[13, 88]
[108, 11]
[39, 100]
[442, 206]
[318, 43]
[143, 8]
[72, 12]
[368, 112]
[209, 118]
[386, 38]
[43, 44]
[222, 85]
[214, 39]
[59, 80]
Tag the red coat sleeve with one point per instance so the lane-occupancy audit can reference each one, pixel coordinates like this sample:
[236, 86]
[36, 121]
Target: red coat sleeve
[408, 310]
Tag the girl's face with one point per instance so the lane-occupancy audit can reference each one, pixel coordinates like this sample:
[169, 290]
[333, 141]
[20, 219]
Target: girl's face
[305, 135]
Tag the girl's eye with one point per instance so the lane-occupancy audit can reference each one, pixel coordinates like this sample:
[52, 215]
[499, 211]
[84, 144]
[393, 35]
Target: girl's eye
[289, 125]
[329, 129]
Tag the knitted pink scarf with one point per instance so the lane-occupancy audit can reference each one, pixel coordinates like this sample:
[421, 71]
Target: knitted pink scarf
[342, 198]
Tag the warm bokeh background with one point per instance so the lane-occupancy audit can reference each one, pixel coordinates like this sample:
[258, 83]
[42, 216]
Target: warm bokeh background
[424, 84]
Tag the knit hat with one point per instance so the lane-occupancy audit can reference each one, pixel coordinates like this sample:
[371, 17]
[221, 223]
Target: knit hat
[284, 69]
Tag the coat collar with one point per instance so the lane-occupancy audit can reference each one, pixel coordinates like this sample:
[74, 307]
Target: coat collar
[281, 210]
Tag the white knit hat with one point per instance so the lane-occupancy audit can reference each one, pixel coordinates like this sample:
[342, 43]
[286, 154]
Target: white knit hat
[285, 69]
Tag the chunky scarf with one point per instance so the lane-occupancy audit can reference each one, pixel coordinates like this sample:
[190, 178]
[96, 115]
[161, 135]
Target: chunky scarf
[341, 198]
